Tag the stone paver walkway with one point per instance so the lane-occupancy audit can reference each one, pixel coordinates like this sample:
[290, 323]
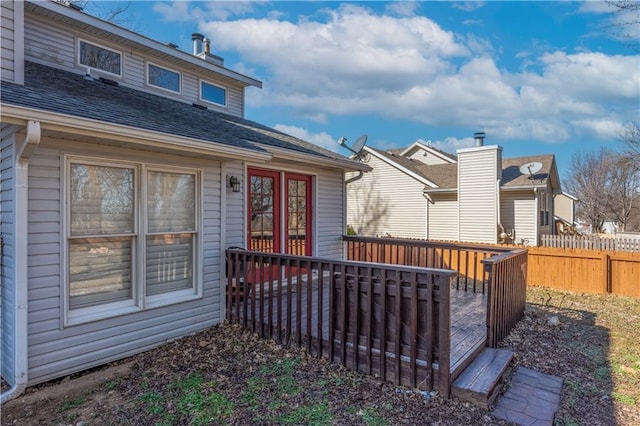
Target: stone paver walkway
[531, 400]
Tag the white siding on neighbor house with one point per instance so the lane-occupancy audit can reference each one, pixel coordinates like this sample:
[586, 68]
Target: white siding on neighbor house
[51, 44]
[427, 158]
[564, 207]
[386, 201]
[518, 212]
[443, 217]
[7, 224]
[477, 193]
[12, 41]
[55, 350]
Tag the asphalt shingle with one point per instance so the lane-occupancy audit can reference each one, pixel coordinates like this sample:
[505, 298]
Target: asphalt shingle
[63, 92]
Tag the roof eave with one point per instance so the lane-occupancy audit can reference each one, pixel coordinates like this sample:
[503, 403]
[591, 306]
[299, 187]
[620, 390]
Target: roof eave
[387, 160]
[303, 157]
[100, 24]
[83, 126]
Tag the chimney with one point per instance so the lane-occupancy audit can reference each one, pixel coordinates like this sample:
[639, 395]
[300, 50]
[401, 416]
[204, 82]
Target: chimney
[479, 137]
[207, 45]
[197, 43]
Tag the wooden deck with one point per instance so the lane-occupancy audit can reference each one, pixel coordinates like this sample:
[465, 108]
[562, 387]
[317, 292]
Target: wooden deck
[468, 318]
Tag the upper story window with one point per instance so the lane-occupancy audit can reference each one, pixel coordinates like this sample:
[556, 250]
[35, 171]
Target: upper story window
[163, 78]
[99, 57]
[212, 93]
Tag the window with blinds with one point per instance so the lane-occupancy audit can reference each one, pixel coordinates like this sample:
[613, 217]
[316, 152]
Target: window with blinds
[124, 250]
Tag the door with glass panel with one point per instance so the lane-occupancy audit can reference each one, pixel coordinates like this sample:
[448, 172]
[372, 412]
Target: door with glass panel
[276, 211]
[298, 214]
[263, 228]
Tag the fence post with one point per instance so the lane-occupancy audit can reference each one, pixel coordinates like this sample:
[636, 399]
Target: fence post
[606, 260]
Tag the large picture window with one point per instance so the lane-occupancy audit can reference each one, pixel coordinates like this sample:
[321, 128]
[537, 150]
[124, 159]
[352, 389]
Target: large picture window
[99, 57]
[124, 252]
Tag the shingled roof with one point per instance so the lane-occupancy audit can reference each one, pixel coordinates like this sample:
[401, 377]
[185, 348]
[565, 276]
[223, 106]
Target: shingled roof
[445, 176]
[62, 92]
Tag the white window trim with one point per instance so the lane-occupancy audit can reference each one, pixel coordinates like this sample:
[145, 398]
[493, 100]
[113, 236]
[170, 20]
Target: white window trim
[119, 52]
[179, 92]
[139, 301]
[226, 93]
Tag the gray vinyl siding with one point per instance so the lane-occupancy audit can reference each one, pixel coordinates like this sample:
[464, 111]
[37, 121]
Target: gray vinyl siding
[56, 350]
[51, 44]
[329, 208]
[7, 44]
[7, 226]
[386, 201]
[235, 214]
[443, 217]
[518, 212]
[477, 194]
[12, 41]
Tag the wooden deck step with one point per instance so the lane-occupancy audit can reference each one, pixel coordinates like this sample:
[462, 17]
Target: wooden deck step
[482, 380]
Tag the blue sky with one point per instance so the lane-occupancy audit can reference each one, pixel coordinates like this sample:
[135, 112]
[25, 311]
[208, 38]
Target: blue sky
[537, 77]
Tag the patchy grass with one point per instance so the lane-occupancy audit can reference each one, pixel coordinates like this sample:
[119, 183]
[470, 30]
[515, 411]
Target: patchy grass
[226, 375]
[595, 349]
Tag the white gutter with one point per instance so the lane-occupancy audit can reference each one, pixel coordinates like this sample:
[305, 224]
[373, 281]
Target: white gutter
[311, 158]
[20, 329]
[95, 128]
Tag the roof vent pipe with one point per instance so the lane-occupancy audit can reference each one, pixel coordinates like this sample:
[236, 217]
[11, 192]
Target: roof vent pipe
[207, 45]
[479, 137]
[197, 43]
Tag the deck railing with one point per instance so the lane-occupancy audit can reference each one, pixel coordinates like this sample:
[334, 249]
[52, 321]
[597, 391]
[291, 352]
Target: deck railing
[507, 293]
[388, 320]
[466, 259]
[499, 272]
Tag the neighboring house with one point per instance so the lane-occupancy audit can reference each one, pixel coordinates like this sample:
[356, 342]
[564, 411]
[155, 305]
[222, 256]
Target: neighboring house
[127, 169]
[564, 212]
[476, 196]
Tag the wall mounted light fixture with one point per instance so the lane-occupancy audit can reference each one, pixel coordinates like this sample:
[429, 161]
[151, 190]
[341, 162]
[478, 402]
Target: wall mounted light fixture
[234, 183]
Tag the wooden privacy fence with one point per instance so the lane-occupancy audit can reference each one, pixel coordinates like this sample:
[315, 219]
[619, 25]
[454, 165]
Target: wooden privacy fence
[591, 242]
[498, 272]
[388, 320]
[591, 271]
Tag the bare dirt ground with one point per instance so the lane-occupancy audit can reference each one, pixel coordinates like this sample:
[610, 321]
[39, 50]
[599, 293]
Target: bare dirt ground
[226, 375]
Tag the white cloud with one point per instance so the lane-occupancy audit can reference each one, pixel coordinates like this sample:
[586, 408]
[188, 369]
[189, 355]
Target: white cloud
[469, 6]
[184, 10]
[595, 6]
[451, 144]
[322, 139]
[351, 61]
[403, 8]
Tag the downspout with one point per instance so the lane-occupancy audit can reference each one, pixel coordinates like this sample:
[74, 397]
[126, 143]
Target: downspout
[344, 208]
[20, 330]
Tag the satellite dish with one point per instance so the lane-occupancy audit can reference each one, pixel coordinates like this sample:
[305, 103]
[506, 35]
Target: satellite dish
[531, 168]
[357, 146]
